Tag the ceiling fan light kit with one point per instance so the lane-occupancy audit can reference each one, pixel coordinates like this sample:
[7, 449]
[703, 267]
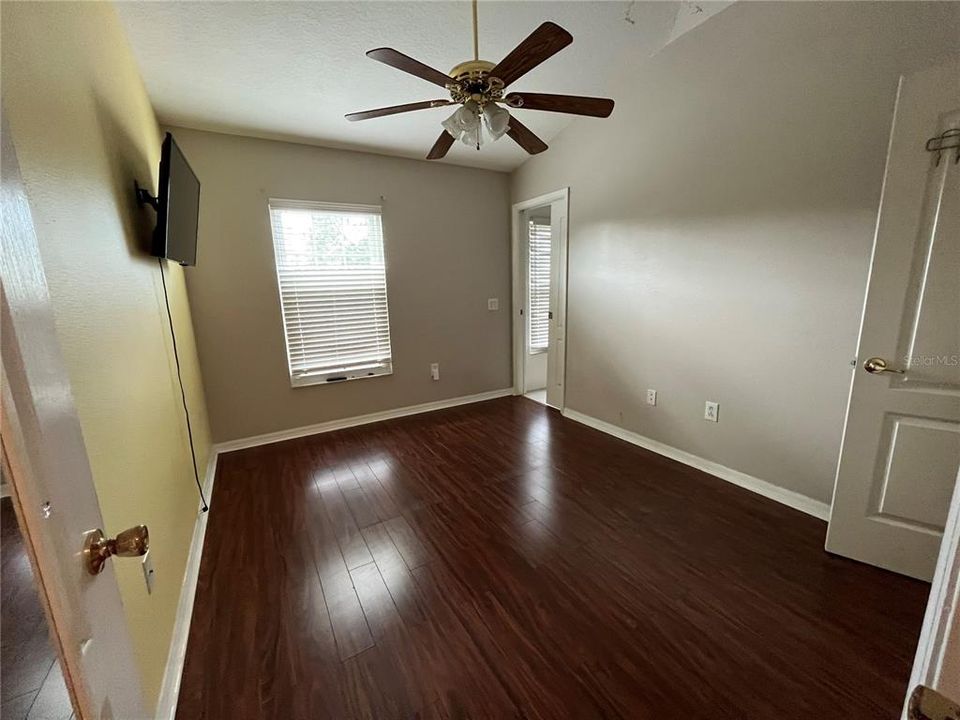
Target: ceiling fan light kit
[465, 124]
[497, 120]
[478, 87]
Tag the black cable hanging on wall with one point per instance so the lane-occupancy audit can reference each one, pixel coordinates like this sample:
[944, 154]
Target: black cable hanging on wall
[183, 394]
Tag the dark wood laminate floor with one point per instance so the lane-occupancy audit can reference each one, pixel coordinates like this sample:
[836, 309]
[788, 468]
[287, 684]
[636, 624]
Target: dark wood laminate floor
[499, 561]
[31, 684]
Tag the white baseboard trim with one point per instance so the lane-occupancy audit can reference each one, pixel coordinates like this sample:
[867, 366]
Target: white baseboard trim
[340, 424]
[170, 688]
[792, 499]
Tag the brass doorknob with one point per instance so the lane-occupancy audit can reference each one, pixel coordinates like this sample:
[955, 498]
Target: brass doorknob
[132, 542]
[878, 366]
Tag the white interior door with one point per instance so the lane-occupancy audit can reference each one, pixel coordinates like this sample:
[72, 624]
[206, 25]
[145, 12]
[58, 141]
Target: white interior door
[51, 476]
[557, 355]
[901, 447]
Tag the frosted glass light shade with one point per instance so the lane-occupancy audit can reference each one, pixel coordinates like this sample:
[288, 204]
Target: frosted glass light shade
[465, 119]
[472, 137]
[465, 124]
[497, 120]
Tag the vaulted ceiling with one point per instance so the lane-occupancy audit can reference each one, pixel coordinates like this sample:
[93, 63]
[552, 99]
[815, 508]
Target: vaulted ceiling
[291, 70]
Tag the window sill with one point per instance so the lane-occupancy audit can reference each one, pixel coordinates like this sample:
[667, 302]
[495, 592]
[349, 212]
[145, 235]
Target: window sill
[335, 378]
[538, 352]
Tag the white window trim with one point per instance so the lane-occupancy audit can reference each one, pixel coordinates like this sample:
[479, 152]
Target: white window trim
[333, 377]
[329, 377]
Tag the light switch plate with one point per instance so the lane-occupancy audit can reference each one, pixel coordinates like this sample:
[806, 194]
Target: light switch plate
[148, 574]
[493, 303]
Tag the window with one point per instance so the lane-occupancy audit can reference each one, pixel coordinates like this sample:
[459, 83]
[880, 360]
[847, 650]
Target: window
[333, 290]
[539, 287]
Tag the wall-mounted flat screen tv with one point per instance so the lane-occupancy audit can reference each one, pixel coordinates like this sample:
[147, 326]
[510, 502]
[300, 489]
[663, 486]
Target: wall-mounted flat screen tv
[178, 207]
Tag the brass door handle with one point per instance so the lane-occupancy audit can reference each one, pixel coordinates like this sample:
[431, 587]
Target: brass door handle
[878, 366]
[132, 542]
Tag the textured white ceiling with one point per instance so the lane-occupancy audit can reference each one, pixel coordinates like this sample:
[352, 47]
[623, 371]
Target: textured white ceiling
[291, 70]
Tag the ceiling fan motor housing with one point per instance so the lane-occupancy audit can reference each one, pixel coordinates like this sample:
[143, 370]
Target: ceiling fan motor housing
[471, 80]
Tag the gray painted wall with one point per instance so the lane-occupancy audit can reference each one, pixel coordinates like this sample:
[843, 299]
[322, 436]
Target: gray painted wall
[447, 242]
[721, 223]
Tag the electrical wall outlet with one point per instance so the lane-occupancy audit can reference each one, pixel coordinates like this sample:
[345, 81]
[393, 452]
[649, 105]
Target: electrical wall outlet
[435, 371]
[493, 303]
[651, 397]
[148, 573]
[711, 411]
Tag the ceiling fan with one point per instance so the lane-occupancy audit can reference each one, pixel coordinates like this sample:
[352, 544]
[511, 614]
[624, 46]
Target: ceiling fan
[478, 87]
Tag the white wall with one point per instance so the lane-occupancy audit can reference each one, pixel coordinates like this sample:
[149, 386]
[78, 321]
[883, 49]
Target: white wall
[721, 223]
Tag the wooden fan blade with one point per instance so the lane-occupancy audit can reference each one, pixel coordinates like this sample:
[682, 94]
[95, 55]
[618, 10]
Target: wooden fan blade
[524, 137]
[571, 104]
[394, 109]
[441, 146]
[393, 58]
[542, 43]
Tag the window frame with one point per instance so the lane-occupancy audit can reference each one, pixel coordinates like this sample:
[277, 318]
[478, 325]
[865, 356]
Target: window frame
[329, 377]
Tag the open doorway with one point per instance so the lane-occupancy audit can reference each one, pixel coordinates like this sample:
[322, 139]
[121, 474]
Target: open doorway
[540, 297]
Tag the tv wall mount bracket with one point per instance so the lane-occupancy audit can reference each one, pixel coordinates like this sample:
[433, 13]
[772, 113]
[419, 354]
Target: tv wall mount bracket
[145, 198]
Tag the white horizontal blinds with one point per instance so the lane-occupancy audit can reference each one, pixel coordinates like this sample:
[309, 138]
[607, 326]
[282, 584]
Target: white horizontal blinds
[333, 289]
[539, 285]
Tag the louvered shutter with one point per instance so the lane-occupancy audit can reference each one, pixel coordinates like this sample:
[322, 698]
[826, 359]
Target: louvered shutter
[539, 287]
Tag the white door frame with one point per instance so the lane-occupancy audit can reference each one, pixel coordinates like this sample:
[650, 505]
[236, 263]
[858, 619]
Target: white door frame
[519, 322]
[938, 652]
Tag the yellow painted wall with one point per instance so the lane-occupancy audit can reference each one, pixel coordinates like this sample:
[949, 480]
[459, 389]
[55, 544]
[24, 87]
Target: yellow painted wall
[83, 128]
